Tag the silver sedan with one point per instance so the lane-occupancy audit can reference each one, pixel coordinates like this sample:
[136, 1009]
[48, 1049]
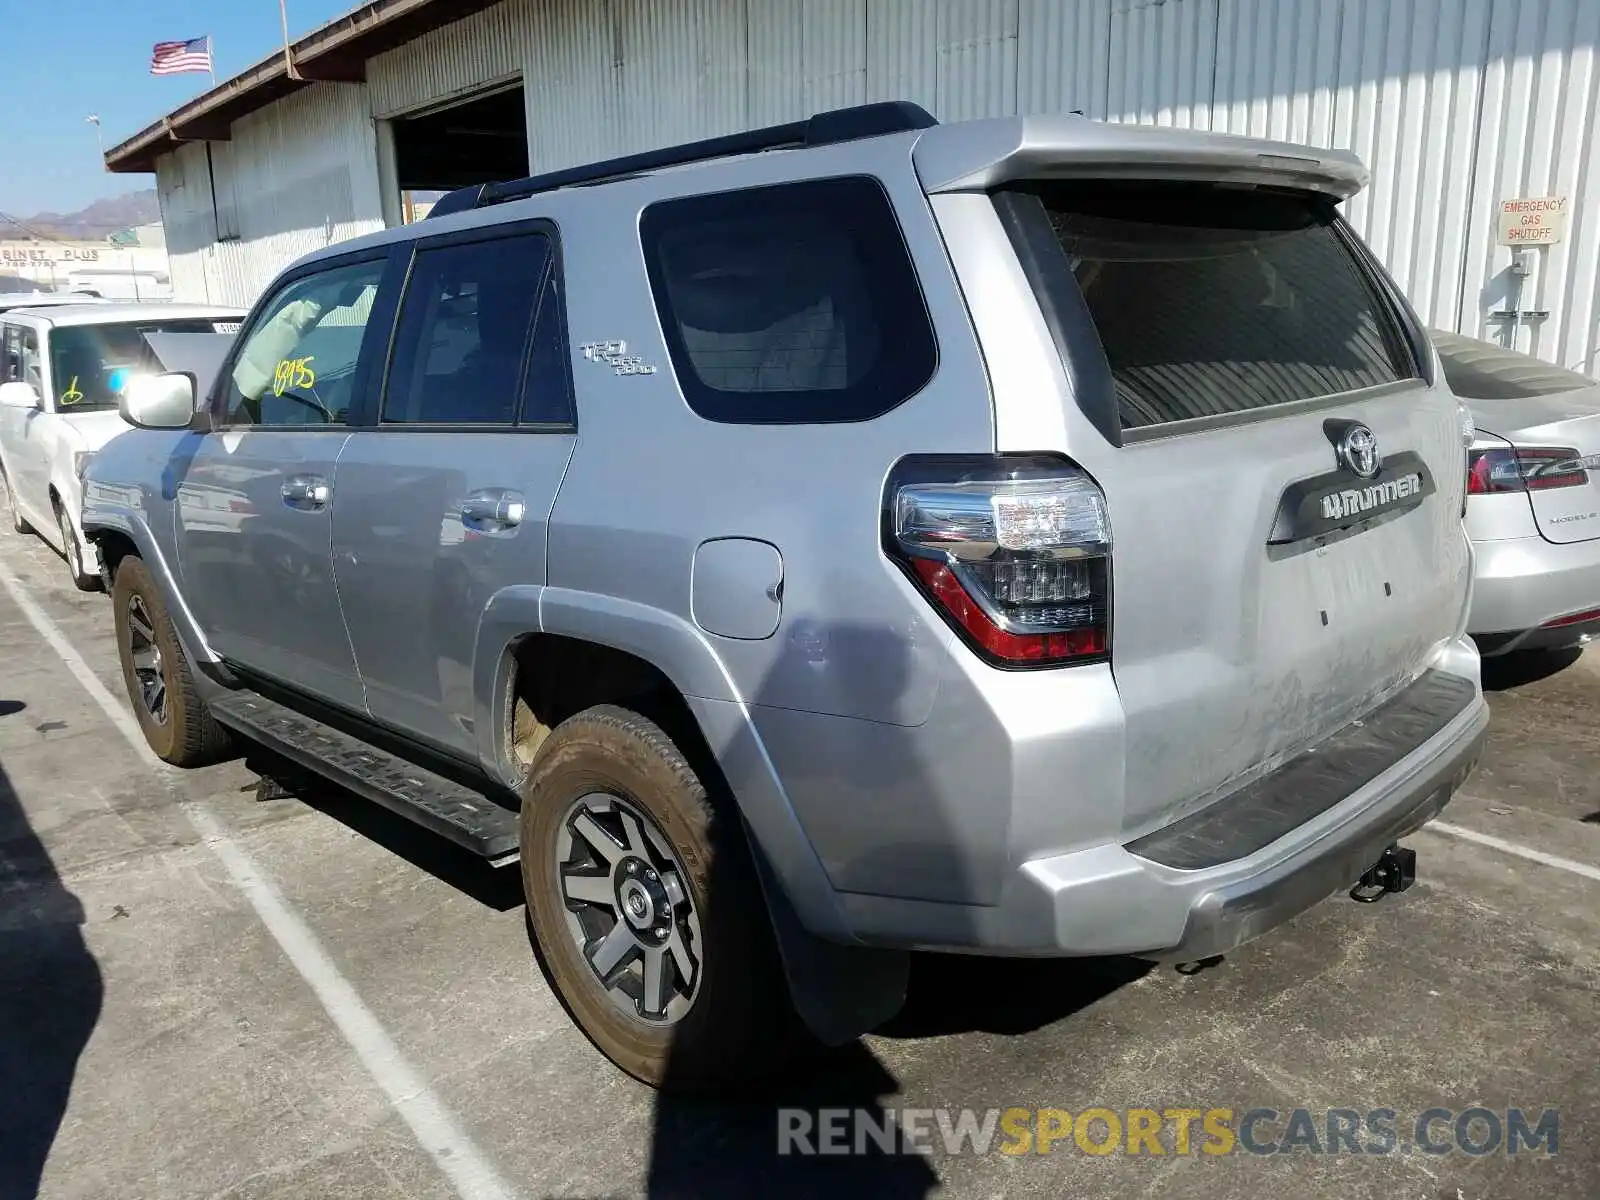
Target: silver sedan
[1533, 496]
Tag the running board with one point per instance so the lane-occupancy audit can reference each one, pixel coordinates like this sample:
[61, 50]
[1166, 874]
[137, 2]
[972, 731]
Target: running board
[452, 810]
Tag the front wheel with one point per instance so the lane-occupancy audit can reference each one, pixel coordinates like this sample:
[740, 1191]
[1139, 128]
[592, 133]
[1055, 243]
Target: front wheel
[18, 525]
[84, 581]
[169, 709]
[645, 905]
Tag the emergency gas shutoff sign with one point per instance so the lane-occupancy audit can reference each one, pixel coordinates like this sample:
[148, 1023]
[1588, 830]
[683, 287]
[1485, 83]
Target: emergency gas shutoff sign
[1533, 220]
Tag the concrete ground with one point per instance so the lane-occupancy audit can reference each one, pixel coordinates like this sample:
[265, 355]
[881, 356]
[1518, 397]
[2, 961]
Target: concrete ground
[385, 1031]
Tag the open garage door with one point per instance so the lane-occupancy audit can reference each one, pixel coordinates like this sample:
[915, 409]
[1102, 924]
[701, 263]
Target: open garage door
[469, 141]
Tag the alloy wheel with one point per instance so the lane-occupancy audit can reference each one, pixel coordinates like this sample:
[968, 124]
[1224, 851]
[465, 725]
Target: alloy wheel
[628, 907]
[69, 544]
[144, 652]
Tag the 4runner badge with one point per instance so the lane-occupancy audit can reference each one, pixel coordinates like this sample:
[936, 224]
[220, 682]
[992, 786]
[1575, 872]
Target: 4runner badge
[615, 355]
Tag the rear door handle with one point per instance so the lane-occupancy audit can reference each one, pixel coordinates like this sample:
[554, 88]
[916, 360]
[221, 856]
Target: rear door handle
[493, 510]
[307, 492]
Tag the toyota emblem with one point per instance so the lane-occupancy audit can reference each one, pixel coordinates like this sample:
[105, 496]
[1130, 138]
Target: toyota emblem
[1358, 451]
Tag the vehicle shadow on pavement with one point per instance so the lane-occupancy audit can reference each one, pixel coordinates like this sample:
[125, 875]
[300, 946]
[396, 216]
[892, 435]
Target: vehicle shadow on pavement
[499, 888]
[951, 993]
[737, 1147]
[51, 993]
[1521, 668]
[704, 1148]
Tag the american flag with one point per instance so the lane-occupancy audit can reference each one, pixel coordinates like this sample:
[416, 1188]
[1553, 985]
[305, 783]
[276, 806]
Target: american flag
[173, 58]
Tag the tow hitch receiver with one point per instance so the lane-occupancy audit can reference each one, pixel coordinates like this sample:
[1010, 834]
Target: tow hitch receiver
[1395, 871]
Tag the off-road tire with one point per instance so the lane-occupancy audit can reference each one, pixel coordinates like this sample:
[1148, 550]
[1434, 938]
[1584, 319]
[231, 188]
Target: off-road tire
[741, 1026]
[189, 737]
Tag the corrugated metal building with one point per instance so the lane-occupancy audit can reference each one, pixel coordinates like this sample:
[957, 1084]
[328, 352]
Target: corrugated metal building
[1456, 105]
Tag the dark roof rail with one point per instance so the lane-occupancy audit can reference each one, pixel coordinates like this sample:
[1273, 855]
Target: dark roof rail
[822, 129]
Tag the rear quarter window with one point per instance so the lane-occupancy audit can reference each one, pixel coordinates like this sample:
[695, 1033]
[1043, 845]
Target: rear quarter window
[1210, 300]
[789, 304]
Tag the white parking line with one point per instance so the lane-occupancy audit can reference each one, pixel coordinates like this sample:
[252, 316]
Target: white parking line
[1527, 852]
[455, 1154]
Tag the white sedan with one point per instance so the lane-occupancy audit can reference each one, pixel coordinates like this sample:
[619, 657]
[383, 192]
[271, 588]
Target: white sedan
[62, 370]
[1533, 497]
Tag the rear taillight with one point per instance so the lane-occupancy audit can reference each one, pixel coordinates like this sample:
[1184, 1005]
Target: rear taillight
[1014, 552]
[1578, 618]
[1524, 468]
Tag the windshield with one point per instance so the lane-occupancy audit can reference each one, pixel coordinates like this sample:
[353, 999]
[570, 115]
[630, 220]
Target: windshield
[90, 365]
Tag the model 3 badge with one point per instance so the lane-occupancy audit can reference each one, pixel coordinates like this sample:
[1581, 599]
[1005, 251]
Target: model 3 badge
[1358, 451]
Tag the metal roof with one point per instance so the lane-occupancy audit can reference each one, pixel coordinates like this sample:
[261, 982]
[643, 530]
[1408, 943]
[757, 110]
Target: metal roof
[15, 300]
[333, 53]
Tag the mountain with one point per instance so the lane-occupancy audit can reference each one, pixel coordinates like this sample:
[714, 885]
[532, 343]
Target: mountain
[99, 220]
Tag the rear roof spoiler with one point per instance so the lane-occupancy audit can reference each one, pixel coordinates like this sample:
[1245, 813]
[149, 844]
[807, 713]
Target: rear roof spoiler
[978, 156]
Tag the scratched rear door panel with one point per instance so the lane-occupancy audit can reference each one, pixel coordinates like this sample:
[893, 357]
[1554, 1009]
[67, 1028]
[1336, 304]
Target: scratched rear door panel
[1286, 503]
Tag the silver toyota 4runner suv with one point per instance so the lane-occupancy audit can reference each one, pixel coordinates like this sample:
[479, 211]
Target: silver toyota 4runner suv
[1025, 536]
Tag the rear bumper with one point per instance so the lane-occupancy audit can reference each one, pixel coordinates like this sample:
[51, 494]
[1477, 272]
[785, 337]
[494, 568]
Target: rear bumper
[1109, 899]
[1522, 583]
[1226, 917]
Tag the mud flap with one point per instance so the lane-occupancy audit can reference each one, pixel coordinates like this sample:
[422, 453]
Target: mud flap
[839, 991]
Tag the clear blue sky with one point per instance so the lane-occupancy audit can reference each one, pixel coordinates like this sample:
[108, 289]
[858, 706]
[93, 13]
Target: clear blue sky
[65, 59]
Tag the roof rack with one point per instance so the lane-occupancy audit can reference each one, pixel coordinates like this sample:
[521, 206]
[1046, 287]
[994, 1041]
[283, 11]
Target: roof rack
[822, 129]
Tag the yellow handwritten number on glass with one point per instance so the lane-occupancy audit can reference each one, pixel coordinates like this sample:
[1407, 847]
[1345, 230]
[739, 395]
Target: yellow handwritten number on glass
[293, 373]
[72, 395]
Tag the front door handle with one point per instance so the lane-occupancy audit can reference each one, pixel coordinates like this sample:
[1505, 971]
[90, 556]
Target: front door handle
[493, 510]
[306, 492]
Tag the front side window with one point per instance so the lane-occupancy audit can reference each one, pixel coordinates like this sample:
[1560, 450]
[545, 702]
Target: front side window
[1211, 300]
[789, 304]
[297, 363]
[463, 334]
[19, 357]
[11, 354]
[90, 365]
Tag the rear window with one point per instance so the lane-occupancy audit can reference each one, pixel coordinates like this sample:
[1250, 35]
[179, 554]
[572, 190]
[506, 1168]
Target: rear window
[90, 365]
[789, 304]
[1212, 300]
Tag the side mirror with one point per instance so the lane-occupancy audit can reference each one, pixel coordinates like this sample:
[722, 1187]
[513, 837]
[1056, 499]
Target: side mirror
[158, 401]
[18, 395]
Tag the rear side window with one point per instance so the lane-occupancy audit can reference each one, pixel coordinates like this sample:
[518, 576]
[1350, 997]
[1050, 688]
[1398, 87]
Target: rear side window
[1212, 300]
[463, 334]
[19, 357]
[789, 304]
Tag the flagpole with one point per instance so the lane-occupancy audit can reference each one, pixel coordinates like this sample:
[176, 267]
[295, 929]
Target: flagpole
[288, 56]
[211, 61]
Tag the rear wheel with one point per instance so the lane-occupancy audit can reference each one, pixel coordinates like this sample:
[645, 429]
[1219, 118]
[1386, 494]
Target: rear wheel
[645, 905]
[84, 581]
[168, 707]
